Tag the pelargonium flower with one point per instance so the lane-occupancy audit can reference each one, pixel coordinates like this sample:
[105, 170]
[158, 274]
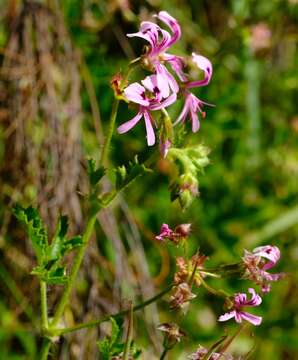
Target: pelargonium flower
[256, 265]
[239, 302]
[193, 104]
[201, 353]
[179, 233]
[160, 41]
[165, 233]
[149, 97]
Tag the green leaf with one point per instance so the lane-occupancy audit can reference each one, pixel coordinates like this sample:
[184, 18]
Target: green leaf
[115, 331]
[54, 276]
[31, 220]
[95, 174]
[60, 244]
[104, 348]
[71, 244]
[54, 251]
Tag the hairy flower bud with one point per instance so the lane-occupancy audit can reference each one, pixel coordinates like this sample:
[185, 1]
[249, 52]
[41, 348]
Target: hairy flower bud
[173, 334]
[181, 297]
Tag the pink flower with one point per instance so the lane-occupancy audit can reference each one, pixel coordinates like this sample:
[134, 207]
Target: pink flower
[201, 353]
[241, 301]
[256, 265]
[165, 232]
[192, 104]
[161, 40]
[191, 107]
[149, 97]
[180, 232]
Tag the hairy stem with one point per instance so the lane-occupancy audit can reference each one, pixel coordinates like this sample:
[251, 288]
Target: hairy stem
[43, 304]
[107, 317]
[108, 138]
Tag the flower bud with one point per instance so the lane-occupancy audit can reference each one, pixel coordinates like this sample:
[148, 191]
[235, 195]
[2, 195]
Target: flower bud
[183, 229]
[173, 334]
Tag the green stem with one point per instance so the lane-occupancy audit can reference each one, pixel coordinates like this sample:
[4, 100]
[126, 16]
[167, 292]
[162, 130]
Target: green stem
[164, 353]
[45, 349]
[129, 337]
[212, 290]
[232, 338]
[43, 304]
[108, 138]
[107, 317]
[73, 274]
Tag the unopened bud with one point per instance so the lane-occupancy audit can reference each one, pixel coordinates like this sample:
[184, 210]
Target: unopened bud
[183, 230]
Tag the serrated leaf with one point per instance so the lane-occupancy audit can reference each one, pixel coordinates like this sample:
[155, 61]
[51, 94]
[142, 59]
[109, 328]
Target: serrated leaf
[71, 244]
[56, 276]
[32, 222]
[125, 175]
[95, 174]
[115, 332]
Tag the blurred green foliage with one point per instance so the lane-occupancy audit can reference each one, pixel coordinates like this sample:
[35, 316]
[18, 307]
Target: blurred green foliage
[248, 195]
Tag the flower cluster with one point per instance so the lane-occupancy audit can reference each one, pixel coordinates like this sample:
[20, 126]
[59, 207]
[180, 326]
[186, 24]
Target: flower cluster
[188, 273]
[190, 270]
[161, 89]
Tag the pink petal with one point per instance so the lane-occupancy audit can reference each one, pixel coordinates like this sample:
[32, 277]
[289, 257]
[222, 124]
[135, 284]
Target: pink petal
[177, 64]
[272, 253]
[253, 319]
[173, 24]
[171, 80]
[204, 64]
[165, 40]
[227, 316]
[167, 102]
[195, 124]
[255, 298]
[149, 32]
[149, 129]
[184, 113]
[136, 93]
[272, 277]
[240, 299]
[150, 82]
[129, 124]
[238, 317]
[162, 81]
